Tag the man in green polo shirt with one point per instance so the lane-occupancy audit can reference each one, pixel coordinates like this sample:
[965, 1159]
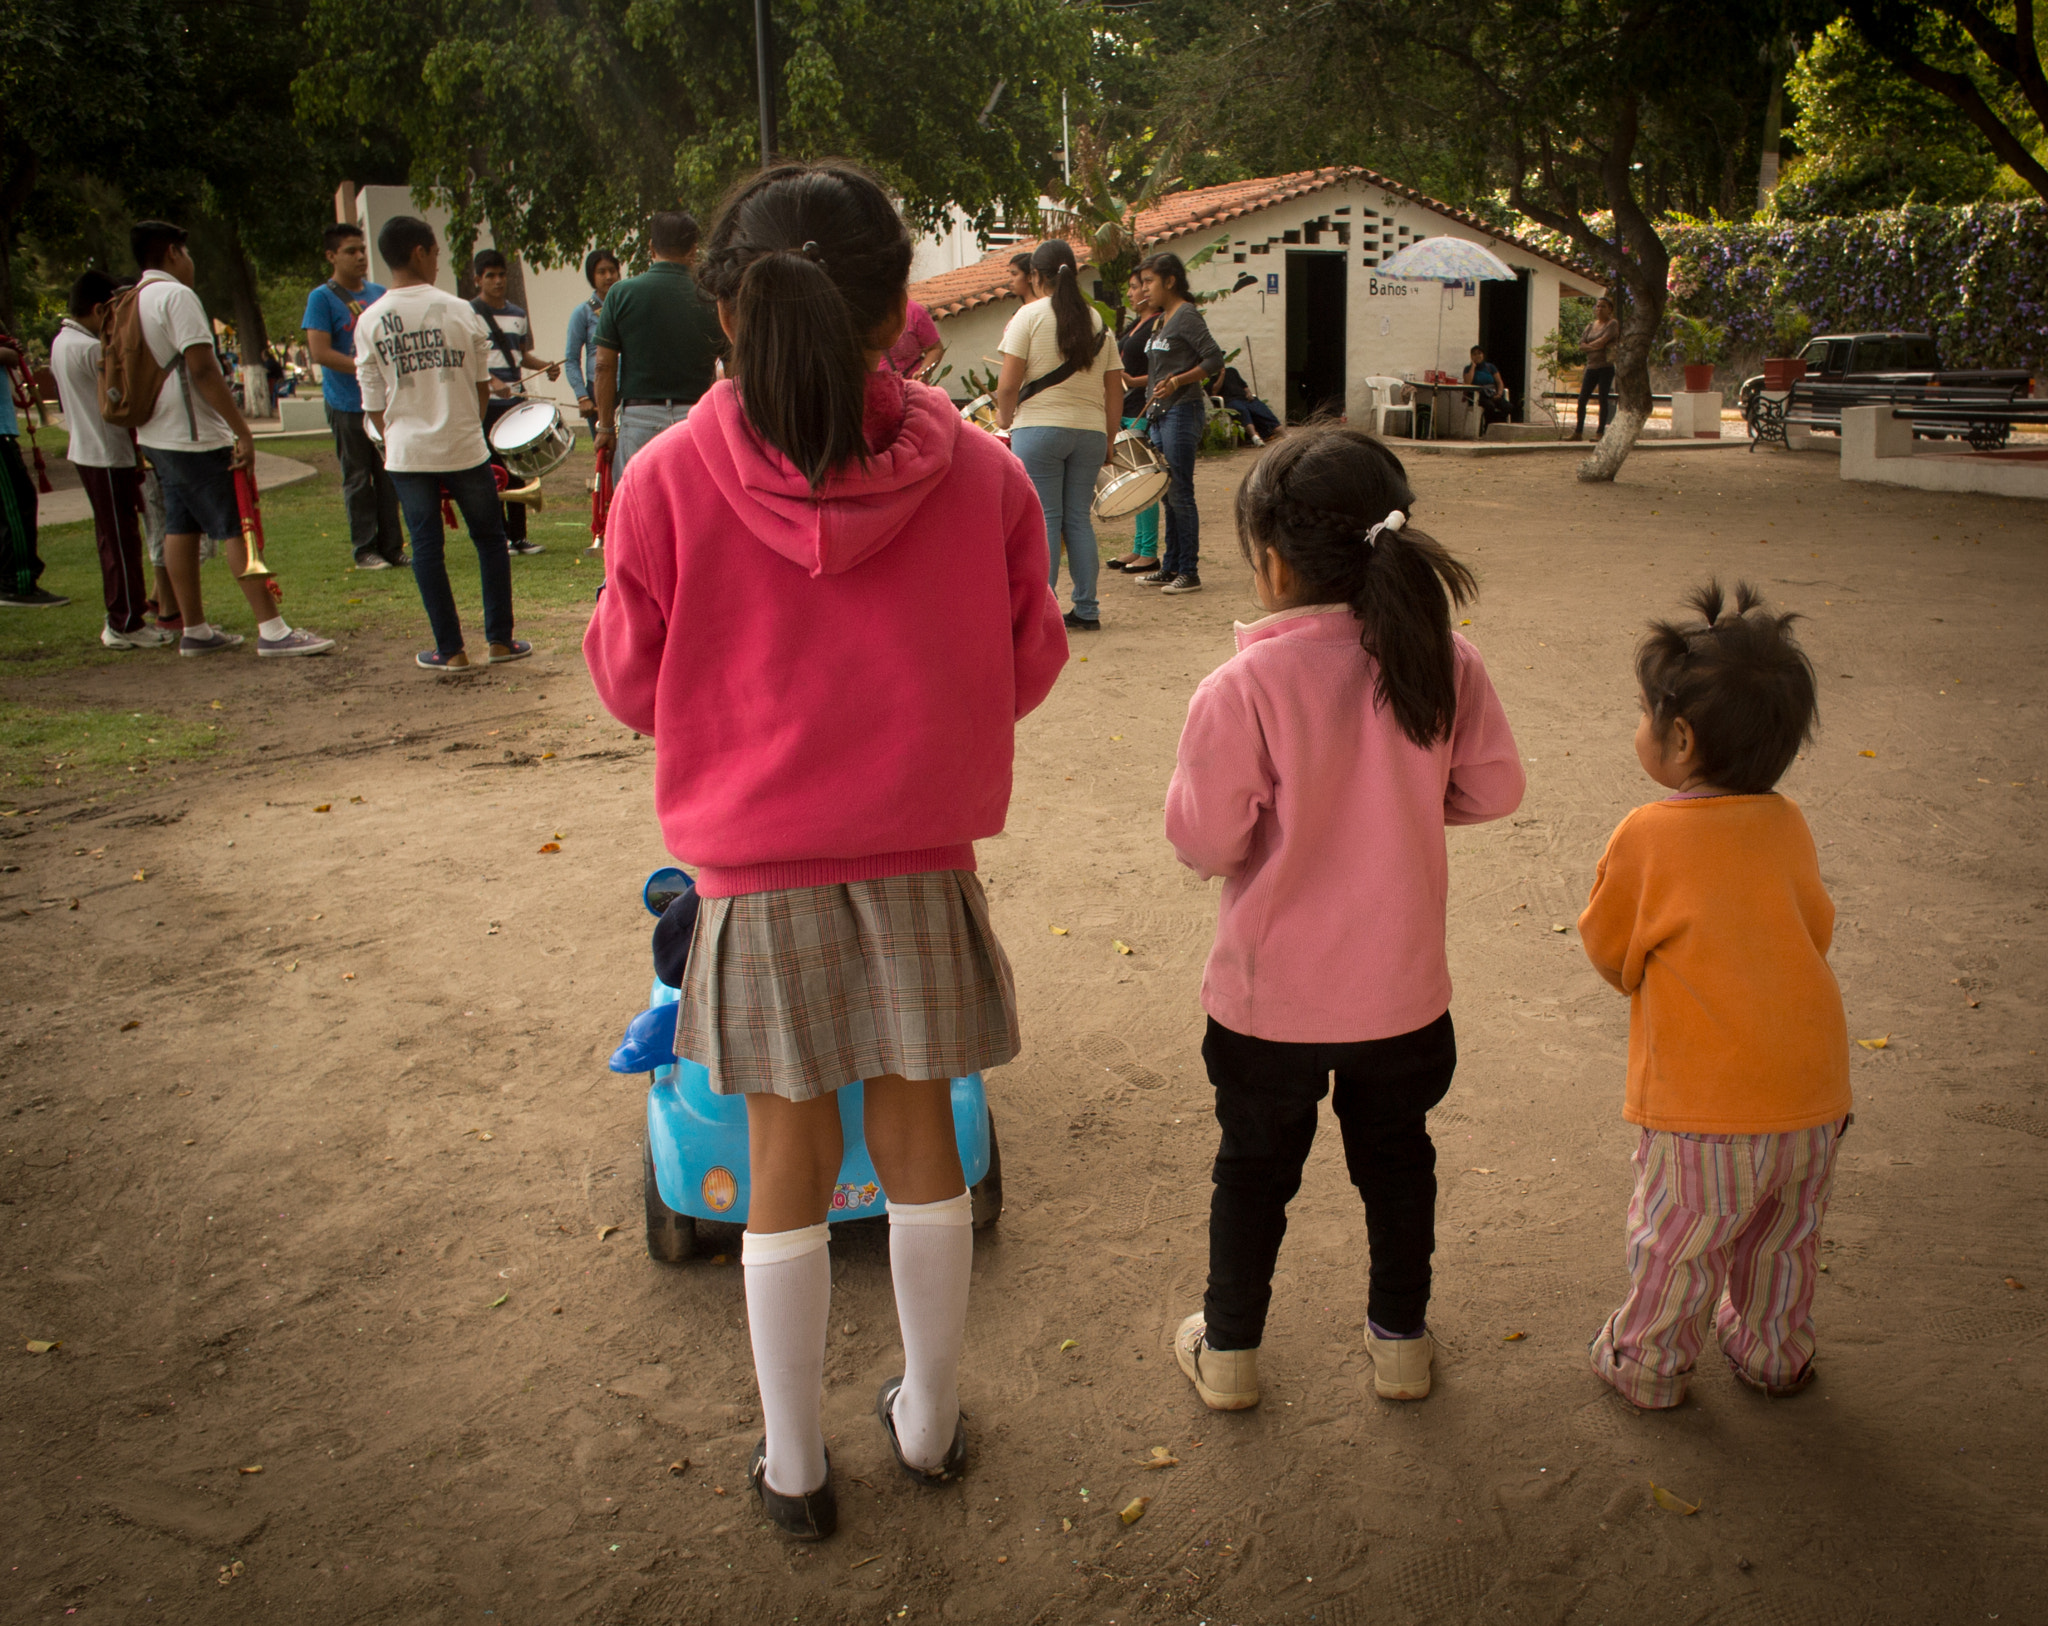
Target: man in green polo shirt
[657, 339]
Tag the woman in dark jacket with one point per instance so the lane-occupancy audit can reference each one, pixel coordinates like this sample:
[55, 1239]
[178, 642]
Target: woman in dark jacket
[1182, 353]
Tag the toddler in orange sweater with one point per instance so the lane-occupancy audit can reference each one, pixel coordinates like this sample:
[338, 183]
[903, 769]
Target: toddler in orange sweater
[1709, 913]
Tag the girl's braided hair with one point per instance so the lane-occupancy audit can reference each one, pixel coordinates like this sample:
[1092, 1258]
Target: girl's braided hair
[1333, 503]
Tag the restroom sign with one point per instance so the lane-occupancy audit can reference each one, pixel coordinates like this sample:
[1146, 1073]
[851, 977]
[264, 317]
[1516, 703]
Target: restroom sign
[1272, 282]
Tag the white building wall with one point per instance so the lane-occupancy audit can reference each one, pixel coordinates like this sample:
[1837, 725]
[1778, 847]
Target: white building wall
[1393, 327]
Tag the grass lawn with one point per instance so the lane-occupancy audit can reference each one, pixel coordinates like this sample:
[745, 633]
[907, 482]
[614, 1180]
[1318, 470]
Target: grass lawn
[307, 544]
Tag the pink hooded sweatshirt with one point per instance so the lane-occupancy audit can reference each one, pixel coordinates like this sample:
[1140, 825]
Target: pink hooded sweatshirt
[832, 679]
[1327, 824]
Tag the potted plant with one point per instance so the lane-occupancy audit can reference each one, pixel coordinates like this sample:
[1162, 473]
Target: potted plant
[1697, 344]
[1790, 329]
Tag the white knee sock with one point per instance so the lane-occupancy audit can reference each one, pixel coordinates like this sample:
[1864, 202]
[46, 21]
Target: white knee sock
[931, 1256]
[789, 1296]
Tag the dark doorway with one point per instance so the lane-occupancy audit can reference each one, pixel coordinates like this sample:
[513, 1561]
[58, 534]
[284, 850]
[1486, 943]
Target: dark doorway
[1315, 335]
[1504, 336]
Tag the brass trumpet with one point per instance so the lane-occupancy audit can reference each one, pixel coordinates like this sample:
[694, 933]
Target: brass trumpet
[529, 495]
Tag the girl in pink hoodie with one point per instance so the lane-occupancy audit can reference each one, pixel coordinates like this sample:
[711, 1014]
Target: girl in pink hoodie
[1317, 771]
[826, 601]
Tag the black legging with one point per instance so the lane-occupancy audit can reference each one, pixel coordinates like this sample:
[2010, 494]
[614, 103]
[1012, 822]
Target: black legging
[1602, 379]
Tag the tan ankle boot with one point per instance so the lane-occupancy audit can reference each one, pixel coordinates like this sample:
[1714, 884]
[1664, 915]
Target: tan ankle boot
[1226, 1379]
[1400, 1366]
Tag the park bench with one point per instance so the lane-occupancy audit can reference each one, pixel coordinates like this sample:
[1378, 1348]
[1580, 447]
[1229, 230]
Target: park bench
[1982, 415]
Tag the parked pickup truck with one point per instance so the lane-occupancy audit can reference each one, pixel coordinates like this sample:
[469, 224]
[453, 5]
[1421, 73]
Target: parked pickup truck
[1893, 358]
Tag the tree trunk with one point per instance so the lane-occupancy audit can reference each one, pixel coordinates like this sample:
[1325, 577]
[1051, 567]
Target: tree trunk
[251, 335]
[1631, 385]
[1645, 268]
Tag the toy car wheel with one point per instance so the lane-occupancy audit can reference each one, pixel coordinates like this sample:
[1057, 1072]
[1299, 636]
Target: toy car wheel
[985, 1197]
[671, 1237]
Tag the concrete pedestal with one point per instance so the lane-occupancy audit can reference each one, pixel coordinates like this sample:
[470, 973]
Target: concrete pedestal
[302, 414]
[1696, 415]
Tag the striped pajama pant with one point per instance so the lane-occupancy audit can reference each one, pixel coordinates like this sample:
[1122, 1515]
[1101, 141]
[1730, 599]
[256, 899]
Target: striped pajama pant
[1722, 1228]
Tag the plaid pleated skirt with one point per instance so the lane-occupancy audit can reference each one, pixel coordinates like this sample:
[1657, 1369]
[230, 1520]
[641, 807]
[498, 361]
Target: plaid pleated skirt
[798, 992]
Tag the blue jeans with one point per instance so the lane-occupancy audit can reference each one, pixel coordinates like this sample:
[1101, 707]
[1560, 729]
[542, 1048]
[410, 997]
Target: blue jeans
[476, 494]
[1062, 464]
[1177, 435]
[637, 426]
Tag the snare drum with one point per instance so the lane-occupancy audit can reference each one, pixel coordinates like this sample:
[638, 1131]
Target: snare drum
[1134, 478]
[532, 439]
[981, 412]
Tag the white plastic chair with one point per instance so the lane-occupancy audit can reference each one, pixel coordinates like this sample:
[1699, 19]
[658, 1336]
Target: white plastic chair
[1385, 402]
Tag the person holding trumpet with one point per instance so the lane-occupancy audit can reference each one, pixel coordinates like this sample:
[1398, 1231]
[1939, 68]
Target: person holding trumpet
[423, 358]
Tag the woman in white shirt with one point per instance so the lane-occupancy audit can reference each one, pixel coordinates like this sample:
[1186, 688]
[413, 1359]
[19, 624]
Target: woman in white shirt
[1060, 395]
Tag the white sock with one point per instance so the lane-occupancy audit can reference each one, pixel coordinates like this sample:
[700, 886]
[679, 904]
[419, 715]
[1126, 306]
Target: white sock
[931, 1257]
[275, 628]
[789, 1296]
[198, 629]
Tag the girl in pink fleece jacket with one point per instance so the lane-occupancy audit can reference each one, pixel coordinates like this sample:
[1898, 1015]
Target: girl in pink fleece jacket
[1316, 774]
[827, 603]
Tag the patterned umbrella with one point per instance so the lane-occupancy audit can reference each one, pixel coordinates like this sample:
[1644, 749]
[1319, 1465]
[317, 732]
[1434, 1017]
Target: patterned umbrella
[1446, 259]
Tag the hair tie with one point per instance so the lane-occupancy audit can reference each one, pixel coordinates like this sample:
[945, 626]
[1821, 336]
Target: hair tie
[810, 252]
[1064, 270]
[1387, 527]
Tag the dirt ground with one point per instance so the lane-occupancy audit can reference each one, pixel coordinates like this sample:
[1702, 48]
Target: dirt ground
[312, 1160]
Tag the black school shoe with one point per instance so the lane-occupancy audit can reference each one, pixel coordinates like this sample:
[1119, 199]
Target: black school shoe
[812, 1517]
[947, 1472]
[1079, 623]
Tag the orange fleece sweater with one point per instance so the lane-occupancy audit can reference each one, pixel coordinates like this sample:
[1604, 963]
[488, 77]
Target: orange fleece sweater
[1710, 915]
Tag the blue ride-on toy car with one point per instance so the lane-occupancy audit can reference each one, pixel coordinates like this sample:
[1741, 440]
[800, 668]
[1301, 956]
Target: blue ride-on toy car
[694, 1164]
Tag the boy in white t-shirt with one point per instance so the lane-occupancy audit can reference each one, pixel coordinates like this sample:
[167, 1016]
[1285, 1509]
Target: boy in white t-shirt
[423, 360]
[197, 438]
[104, 457]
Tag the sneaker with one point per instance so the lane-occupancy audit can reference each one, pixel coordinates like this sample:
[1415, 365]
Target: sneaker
[1226, 1379]
[372, 561]
[140, 638]
[214, 641]
[810, 1517]
[524, 548]
[1400, 1366]
[36, 598]
[1186, 582]
[947, 1472]
[299, 641]
[517, 650]
[1158, 578]
[434, 661]
[1080, 623]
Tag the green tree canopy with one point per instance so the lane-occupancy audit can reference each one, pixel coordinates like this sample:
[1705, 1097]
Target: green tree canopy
[572, 122]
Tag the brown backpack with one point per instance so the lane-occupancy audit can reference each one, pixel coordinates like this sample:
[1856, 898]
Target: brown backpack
[131, 378]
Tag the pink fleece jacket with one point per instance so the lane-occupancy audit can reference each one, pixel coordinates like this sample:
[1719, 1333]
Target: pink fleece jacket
[1327, 824]
[832, 679]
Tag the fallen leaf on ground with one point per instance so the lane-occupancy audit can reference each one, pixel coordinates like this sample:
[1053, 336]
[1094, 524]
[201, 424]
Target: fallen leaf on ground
[500, 1299]
[604, 1231]
[324, 807]
[142, 875]
[1059, 931]
[348, 976]
[559, 836]
[293, 966]
[1134, 1509]
[43, 1346]
[354, 800]
[681, 1466]
[1482, 1171]
[1067, 1524]
[73, 904]
[717, 1490]
[1557, 928]
[229, 1571]
[1882, 1042]
[130, 1027]
[1866, 753]
[1671, 1504]
[1161, 1458]
[550, 846]
[1513, 1337]
[1120, 945]
[191, 1143]
[253, 1468]
[2015, 1284]
[1069, 1343]
[1466, 622]
[547, 756]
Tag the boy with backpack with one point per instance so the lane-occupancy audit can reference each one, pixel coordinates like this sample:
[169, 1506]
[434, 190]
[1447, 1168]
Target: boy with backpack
[161, 377]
